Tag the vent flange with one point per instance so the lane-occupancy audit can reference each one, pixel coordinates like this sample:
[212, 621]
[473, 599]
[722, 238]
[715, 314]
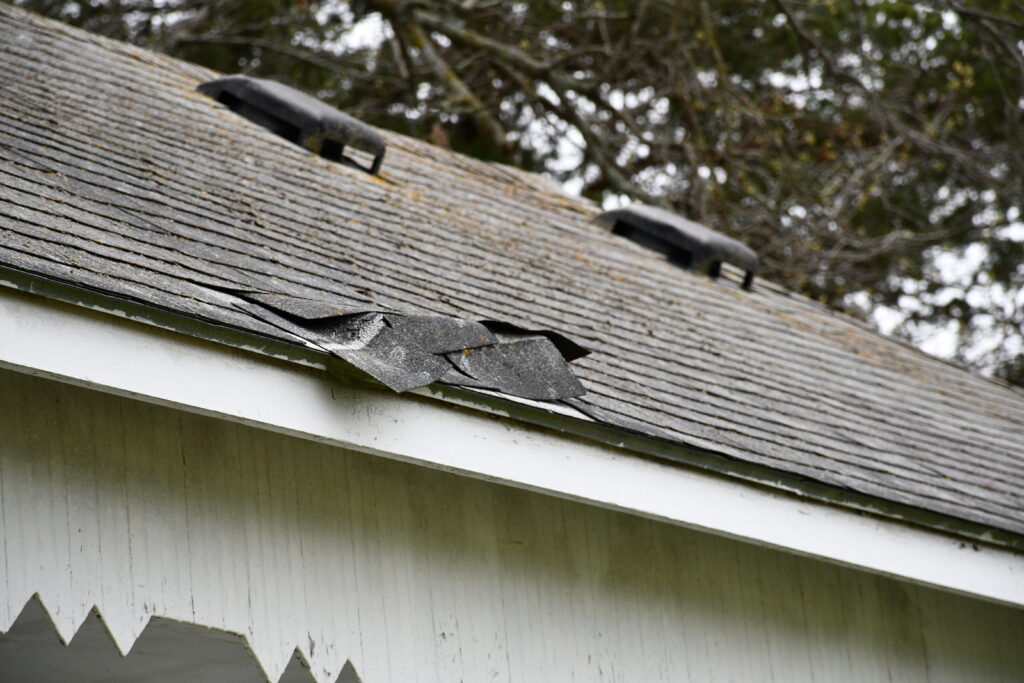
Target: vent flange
[298, 117]
[687, 244]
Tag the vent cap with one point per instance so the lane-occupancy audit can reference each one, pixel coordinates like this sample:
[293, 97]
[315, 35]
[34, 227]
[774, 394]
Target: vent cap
[687, 244]
[298, 117]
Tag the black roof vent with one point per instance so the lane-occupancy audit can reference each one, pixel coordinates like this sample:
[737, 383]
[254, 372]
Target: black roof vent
[298, 117]
[687, 244]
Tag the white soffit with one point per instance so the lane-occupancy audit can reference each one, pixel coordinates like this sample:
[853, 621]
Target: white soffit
[43, 337]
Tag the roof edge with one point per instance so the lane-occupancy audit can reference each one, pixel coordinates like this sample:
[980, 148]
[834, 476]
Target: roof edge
[164, 368]
[555, 416]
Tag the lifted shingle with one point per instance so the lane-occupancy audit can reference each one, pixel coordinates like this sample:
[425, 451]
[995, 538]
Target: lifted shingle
[132, 185]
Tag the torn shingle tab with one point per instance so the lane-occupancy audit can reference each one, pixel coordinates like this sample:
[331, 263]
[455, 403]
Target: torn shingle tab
[569, 349]
[438, 334]
[384, 353]
[405, 351]
[529, 367]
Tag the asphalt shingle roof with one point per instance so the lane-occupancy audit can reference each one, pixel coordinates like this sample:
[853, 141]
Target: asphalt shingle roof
[116, 175]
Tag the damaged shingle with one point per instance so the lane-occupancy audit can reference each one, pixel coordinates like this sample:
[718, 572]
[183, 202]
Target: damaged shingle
[404, 351]
[372, 343]
[569, 349]
[528, 366]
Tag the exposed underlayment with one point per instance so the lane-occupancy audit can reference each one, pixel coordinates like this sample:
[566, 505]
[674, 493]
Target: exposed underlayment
[117, 176]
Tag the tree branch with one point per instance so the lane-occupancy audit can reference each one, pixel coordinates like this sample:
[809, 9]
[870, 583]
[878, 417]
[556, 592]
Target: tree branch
[444, 73]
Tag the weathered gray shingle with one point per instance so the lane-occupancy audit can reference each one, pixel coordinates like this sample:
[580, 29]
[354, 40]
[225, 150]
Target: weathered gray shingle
[116, 175]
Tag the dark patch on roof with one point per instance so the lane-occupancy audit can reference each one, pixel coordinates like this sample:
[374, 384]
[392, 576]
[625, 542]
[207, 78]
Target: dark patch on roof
[130, 184]
[569, 349]
[407, 351]
[374, 346]
[297, 117]
[686, 243]
[438, 334]
[526, 366]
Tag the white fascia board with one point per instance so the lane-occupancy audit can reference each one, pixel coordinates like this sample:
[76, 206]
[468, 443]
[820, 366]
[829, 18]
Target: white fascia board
[99, 351]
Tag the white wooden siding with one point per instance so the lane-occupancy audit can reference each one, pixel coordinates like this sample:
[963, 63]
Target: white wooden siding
[71, 344]
[419, 575]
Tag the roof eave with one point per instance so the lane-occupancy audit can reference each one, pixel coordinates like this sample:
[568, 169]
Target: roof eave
[554, 416]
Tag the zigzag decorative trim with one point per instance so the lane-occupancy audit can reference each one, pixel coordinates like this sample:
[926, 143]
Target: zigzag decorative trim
[26, 644]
